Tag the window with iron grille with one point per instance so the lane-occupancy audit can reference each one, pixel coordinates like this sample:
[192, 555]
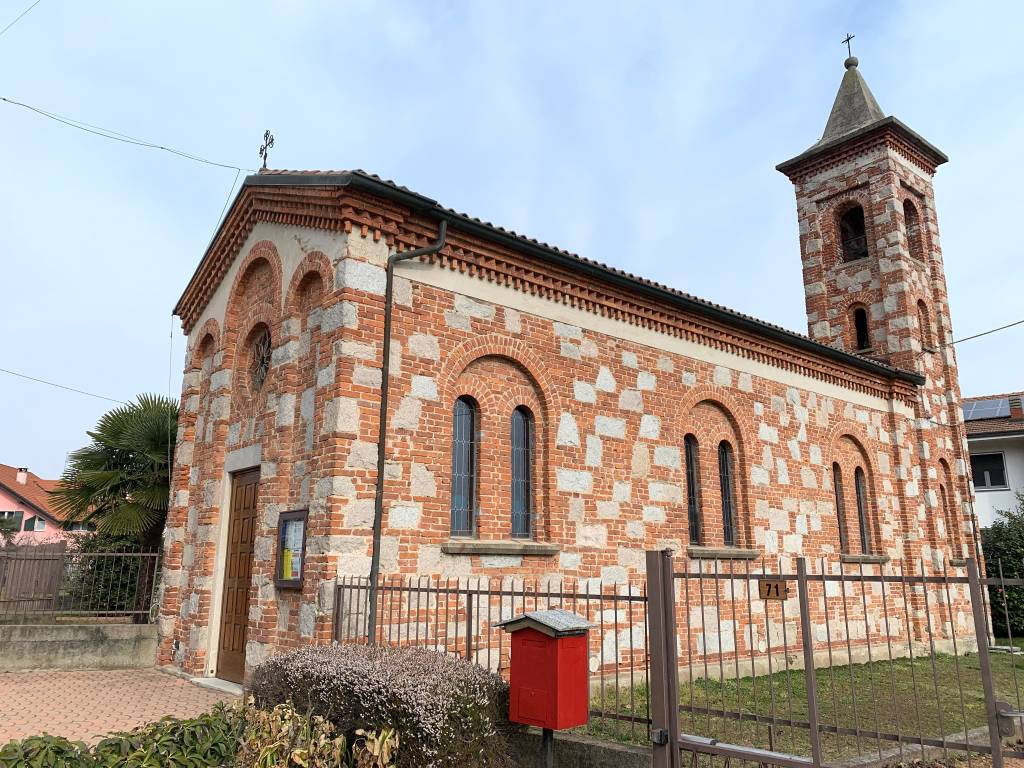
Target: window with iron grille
[464, 466]
[862, 508]
[726, 473]
[259, 363]
[692, 488]
[522, 473]
[837, 486]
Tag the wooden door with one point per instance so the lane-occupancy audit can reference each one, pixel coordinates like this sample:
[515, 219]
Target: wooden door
[234, 617]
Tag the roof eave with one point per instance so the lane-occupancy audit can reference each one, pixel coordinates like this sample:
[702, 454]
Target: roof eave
[933, 153]
[429, 206]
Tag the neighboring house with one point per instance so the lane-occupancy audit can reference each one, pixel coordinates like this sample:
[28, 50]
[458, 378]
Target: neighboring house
[25, 507]
[995, 438]
[549, 416]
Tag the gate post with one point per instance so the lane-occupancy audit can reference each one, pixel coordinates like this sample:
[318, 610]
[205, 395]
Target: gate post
[981, 635]
[664, 689]
[810, 674]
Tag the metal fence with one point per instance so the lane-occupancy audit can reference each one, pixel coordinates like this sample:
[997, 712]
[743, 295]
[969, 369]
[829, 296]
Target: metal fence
[828, 663]
[48, 583]
[795, 664]
[459, 616]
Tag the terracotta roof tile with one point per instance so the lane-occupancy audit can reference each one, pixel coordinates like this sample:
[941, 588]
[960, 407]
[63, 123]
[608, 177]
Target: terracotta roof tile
[35, 491]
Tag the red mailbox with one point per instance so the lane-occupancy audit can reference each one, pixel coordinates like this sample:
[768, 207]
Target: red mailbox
[548, 685]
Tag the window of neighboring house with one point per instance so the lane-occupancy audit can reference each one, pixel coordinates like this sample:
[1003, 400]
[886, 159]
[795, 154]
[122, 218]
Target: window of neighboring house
[726, 475]
[853, 234]
[36, 524]
[837, 484]
[465, 418]
[989, 471]
[76, 527]
[692, 488]
[522, 472]
[863, 505]
[860, 327]
[10, 520]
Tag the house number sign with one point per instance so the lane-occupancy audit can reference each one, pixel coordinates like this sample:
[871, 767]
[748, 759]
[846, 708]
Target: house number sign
[773, 589]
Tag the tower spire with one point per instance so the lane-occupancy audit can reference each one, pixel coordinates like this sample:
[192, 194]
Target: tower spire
[855, 106]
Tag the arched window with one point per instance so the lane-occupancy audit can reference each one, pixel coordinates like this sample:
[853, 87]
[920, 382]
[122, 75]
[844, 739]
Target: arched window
[726, 475]
[465, 426]
[522, 472]
[853, 235]
[952, 535]
[860, 485]
[692, 488]
[860, 328]
[260, 351]
[913, 224]
[924, 326]
[837, 485]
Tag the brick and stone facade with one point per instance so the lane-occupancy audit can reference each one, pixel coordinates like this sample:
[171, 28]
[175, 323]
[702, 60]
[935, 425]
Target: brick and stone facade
[615, 370]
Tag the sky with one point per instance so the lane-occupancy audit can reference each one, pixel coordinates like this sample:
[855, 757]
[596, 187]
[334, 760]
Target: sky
[642, 135]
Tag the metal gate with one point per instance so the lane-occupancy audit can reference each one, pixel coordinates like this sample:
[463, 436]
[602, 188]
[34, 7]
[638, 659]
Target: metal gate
[850, 661]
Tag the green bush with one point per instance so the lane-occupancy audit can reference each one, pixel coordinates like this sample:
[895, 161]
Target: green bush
[448, 712]
[1003, 545]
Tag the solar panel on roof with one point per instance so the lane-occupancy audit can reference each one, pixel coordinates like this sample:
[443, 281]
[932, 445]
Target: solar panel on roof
[996, 408]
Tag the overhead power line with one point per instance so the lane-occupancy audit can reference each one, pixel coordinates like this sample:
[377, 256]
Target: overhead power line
[107, 133]
[986, 333]
[61, 386]
[20, 16]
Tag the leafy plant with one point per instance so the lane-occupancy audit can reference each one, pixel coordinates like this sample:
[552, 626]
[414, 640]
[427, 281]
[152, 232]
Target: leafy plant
[121, 480]
[44, 752]
[447, 710]
[375, 750]
[1003, 545]
[281, 737]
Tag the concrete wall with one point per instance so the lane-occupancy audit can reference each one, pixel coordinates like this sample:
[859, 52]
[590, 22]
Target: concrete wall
[987, 502]
[576, 751]
[77, 646]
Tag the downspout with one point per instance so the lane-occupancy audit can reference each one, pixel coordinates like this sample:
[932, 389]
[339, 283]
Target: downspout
[382, 432]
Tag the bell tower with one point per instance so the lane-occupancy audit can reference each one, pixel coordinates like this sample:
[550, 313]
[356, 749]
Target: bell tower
[873, 274]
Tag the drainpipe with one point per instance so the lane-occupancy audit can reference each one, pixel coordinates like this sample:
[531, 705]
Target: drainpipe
[378, 503]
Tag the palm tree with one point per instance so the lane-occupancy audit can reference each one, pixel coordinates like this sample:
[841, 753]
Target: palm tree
[121, 481]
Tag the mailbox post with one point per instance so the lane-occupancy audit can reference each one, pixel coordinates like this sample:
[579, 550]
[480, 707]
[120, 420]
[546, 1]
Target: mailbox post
[548, 686]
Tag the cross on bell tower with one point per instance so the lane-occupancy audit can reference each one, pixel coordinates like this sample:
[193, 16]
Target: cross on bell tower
[847, 40]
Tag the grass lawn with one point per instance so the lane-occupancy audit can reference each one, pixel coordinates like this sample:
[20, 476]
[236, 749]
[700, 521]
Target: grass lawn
[910, 698]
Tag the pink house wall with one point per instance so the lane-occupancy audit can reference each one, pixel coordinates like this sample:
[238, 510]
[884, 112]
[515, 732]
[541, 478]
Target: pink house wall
[51, 533]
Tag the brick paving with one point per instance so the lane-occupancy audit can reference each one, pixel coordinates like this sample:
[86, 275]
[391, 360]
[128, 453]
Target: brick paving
[84, 705]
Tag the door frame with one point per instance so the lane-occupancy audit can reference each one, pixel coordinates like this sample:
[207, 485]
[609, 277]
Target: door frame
[220, 558]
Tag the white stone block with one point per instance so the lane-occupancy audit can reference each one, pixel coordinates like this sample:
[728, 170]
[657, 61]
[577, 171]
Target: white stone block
[584, 392]
[650, 427]
[608, 426]
[605, 381]
[574, 481]
[568, 434]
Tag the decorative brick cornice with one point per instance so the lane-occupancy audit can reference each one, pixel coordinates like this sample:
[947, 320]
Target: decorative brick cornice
[343, 209]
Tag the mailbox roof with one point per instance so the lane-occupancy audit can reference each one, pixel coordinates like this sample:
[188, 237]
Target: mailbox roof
[554, 623]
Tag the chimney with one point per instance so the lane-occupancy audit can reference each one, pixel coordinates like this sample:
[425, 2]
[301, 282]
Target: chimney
[22, 476]
[1016, 410]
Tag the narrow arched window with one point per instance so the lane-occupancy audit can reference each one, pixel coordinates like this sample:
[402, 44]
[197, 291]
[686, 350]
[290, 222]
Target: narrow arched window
[853, 234]
[912, 222]
[860, 485]
[952, 535]
[860, 328]
[522, 472]
[924, 325]
[464, 466]
[837, 486]
[692, 488]
[726, 481]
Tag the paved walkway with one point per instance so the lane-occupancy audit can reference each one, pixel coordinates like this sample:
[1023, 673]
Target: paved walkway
[85, 705]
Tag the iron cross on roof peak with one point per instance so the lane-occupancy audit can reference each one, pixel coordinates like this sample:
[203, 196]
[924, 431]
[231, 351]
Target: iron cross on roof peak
[268, 142]
[847, 39]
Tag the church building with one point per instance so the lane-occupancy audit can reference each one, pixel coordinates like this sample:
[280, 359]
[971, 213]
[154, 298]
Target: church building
[377, 384]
